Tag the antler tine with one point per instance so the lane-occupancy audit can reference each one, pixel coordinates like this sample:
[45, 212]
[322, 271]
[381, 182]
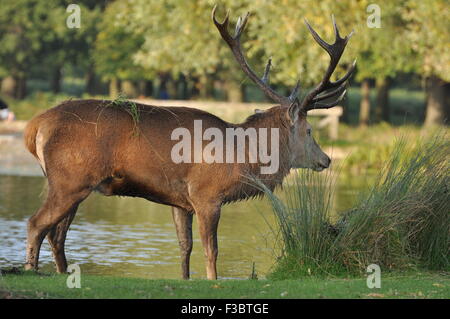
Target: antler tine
[235, 46]
[265, 77]
[240, 25]
[221, 26]
[327, 105]
[332, 93]
[295, 92]
[335, 52]
[346, 76]
[335, 27]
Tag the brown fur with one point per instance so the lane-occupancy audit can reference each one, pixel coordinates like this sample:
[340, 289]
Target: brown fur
[94, 145]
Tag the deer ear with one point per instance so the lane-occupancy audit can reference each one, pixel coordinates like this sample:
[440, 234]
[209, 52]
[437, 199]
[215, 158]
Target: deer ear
[293, 112]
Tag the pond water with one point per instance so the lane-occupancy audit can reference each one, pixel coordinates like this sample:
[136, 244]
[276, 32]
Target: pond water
[132, 237]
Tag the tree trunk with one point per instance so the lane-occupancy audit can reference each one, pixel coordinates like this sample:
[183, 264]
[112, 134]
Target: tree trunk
[206, 87]
[9, 86]
[14, 86]
[235, 92]
[437, 109]
[382, 106]
[172, 88]
[130, 89]
[183, 87]
[148, 89]
[114, 88]
[203, 88]
[163, 94]
[345, 118]
[55, 82]
[145, 88]
[364, 109]
[91, 81]
[21, 91]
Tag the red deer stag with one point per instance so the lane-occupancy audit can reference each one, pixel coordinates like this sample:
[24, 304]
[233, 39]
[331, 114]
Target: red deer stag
[93, 145]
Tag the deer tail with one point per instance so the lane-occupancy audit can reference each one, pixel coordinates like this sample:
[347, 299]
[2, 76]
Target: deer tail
[29, 135]
[31, 140]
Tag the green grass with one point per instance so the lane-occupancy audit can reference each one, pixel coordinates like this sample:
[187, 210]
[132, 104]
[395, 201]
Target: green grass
[418, 285]
[404, 218]
[128, 106]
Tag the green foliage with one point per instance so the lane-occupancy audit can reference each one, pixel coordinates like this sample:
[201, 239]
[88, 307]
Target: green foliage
[180, 36]
[116, 45]
[138, 39]
[26, 29]
[35, 103]
[280, 32]
[428, 34]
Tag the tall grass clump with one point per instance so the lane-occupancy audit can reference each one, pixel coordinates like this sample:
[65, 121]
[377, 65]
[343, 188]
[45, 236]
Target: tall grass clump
[303, 223]
[401, 222]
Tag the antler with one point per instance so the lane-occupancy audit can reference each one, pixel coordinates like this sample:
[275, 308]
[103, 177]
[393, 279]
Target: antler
[323, 91]
[235, 45]
[335, 51]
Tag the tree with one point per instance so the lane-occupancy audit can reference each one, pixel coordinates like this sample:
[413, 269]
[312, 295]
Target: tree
[115, 47]
[180, 39]
[429, 32]
[26, 29]
[382, 52]
[34, 35]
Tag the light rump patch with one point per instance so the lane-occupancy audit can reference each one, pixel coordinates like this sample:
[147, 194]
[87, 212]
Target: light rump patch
[40, 143]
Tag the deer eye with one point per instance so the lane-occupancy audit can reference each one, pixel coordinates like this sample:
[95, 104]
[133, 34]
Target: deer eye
[308, 132]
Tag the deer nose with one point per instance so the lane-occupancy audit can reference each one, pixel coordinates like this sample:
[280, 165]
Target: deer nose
[326, 163]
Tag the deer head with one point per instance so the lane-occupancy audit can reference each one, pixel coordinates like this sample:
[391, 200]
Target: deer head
[304, 151]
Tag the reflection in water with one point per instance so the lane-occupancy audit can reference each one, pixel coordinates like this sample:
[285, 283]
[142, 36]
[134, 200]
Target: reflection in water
[135, 238]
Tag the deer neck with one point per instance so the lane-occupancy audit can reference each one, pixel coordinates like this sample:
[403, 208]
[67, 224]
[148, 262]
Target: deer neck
[269, 120]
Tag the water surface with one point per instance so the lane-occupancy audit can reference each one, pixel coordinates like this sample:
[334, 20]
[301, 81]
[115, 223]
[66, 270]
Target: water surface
[135, 238]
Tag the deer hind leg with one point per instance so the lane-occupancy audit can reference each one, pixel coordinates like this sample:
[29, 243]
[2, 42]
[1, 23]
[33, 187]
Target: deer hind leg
[58, 205]
[183, 225]
[57, 237]
[208, 221]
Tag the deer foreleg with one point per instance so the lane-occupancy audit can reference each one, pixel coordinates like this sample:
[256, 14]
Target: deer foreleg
[208, 220]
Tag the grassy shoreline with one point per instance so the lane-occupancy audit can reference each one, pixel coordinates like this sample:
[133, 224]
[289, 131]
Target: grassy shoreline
[393, 285]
